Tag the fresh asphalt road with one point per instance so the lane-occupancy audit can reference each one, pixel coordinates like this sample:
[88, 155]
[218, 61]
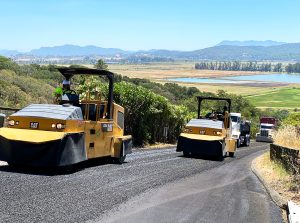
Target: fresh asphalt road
[153, 186]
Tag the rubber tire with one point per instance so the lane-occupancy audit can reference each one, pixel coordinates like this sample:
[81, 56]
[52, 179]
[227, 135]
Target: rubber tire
[231, 154]
[247, 142]
[221, 158]
[120, 160]
[238, 143]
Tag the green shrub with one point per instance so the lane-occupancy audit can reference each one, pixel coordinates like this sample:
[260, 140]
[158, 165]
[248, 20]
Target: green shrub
[293, 120]
[146, 113]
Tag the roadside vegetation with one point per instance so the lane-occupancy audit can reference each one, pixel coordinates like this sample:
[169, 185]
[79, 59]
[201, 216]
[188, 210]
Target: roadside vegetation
[288, 135]
[279, 176]
[282, 181]
[150, 106]
[22, 85]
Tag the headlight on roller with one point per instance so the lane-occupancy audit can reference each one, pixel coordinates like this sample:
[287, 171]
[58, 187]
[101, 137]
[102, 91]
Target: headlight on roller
[187, 130]
[217, 133]
[11, 122]
[60, 126]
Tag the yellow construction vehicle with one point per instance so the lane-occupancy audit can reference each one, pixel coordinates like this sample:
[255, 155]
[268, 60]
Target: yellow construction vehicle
[69, 133]
[209, 135]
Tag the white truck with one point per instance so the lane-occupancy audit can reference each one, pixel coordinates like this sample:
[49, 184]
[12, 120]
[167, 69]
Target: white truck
[240, 129]
[266, 129]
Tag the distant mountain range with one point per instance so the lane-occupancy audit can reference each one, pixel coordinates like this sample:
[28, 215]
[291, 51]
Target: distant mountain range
[67, 50]
[226, 50]
[290, 51]
[250, 43]
[73, 50]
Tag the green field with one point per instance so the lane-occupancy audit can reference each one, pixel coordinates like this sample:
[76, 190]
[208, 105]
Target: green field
[286, 96]
[280, 98]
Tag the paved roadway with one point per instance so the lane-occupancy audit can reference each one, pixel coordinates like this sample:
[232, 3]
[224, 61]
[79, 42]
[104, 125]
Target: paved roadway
[153, 186]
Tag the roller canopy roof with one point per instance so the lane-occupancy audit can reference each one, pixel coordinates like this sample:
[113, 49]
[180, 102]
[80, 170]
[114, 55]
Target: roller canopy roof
[51, 111]
[204, 123]
[70, 72]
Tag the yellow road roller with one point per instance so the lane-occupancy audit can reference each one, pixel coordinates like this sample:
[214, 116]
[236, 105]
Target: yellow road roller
[209, 135]
[66, 133]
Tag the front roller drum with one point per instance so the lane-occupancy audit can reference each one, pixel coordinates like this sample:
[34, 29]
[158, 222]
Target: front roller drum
[201, 147]
[63, 152]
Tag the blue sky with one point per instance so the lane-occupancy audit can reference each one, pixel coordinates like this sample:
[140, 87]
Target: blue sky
[152, 24]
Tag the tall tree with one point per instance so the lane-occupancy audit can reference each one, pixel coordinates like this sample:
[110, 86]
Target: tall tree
[101, 65]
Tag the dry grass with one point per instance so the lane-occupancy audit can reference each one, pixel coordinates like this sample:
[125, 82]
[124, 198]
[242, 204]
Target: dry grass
[233, 89]
[288, 136]
[278, 178]
[159, 71]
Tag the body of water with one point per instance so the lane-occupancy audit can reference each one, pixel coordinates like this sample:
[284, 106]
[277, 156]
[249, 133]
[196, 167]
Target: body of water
[284, 78]
[202, 80]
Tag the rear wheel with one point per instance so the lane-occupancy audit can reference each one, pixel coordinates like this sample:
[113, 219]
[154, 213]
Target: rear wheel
[238, 143]
[221, 158]
[120, 160]
[222, 155]
[247, 142]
